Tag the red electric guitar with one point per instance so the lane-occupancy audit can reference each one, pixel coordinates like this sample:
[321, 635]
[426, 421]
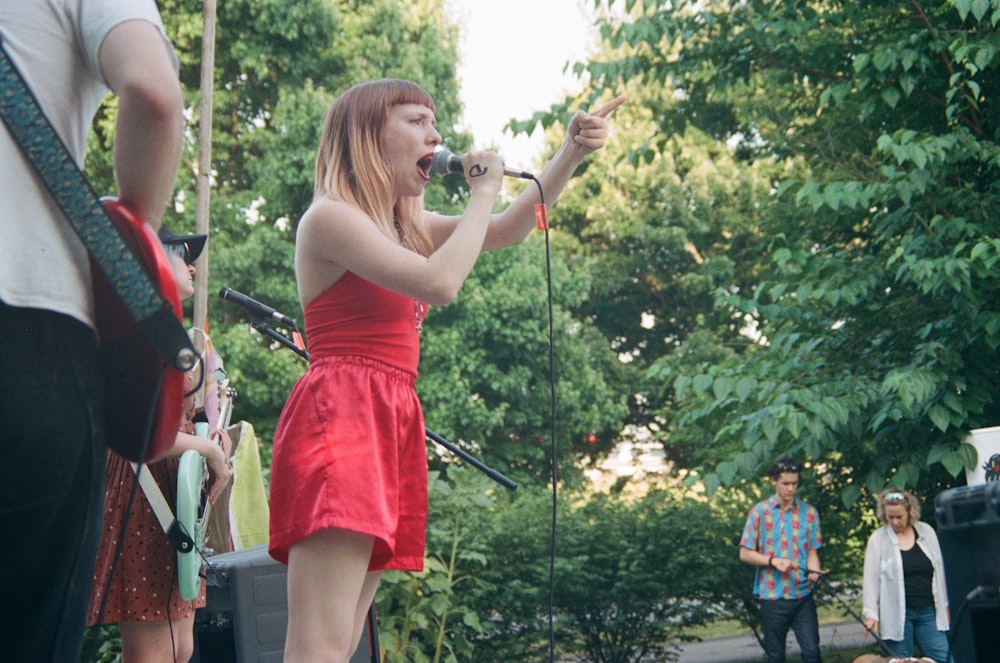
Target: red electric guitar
[145, 393]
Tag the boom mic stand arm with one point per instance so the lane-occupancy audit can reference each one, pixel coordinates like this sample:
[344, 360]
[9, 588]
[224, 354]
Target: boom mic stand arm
[265, 329]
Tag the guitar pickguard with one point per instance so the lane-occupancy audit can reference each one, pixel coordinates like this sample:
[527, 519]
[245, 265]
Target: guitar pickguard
[192, 514]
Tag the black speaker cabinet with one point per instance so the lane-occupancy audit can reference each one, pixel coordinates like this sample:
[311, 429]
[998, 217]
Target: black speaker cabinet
[969, 529]
[246, 612]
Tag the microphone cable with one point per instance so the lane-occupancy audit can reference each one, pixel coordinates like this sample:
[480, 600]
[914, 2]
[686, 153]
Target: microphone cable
[446, 162]
[542, 223]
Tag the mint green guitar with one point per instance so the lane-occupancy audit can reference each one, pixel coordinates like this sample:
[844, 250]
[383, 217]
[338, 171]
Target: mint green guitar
[193, 507]
[192, 513]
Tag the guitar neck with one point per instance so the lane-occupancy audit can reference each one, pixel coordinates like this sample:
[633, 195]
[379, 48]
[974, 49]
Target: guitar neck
[226, 407]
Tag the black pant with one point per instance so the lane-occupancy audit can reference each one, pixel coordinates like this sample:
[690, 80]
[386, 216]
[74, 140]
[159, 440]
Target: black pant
[52, 457]
[799, 615]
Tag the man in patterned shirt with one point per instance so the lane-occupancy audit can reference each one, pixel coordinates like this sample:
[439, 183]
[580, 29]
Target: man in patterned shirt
[782, 538]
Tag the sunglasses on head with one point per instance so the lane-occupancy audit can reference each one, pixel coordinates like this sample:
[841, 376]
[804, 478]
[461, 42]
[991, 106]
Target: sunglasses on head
[787, 466]
[894, 496]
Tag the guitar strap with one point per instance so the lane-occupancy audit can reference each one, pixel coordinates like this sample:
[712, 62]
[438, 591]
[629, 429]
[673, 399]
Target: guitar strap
[178, 538]
[50, 158]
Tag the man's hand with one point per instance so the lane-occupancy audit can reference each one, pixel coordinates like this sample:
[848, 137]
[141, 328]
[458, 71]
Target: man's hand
[783, 565]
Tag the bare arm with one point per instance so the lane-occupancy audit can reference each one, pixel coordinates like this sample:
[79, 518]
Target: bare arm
[753, 558]
[139, 68]
[812, 563]
[586, 133]
[334, 236]
[216, 451]
[780, 564]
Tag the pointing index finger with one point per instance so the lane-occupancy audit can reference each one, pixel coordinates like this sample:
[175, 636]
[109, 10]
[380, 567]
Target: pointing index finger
[606, 109]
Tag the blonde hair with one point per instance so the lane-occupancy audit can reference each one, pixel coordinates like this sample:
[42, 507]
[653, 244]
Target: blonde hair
[351, 164]
[907, 500]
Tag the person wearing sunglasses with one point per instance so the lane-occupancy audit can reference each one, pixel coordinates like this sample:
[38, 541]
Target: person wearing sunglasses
[136, 585]
[905, 595]
[781, 539]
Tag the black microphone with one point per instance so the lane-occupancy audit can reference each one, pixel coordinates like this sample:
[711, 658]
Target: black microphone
[446, 162]
[255, 308]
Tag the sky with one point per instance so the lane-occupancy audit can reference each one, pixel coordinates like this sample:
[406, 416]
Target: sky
[512, 57]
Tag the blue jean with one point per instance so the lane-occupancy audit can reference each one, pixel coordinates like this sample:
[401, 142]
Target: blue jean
[799, 615]
[52, 457]
[920, 626]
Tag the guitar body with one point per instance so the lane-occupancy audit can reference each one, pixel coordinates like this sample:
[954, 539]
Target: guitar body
[193, 507]
[146, 394]
[192, 514]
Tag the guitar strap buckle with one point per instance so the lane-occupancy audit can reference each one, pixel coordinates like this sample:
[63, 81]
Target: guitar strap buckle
[180, 539]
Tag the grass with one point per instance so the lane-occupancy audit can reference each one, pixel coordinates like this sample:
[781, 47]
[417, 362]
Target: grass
[827, 612]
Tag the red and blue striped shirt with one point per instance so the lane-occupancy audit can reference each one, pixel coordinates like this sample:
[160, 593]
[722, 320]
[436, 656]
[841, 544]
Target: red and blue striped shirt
[790, 534]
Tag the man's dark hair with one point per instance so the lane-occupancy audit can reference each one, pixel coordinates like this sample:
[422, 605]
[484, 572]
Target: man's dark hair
[783, 464]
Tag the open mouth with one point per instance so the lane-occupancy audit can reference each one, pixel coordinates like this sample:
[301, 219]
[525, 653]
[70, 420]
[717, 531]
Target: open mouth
[424, 166]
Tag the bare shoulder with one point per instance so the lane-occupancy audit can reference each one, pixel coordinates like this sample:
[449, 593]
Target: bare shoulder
[328, 224]
[323, 215]
[319, 241]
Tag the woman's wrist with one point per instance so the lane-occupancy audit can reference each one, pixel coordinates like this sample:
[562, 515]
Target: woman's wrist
[770, 560]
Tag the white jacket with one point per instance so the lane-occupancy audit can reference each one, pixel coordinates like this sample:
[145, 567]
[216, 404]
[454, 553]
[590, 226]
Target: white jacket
[884, 597]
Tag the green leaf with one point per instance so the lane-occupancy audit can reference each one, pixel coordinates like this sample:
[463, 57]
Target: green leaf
[891, 96]
[850, 495]
[722, 387]
[702, 383]
[979, 8]
[744, 387]
[726, 471]
[940, 417]
[953, 462]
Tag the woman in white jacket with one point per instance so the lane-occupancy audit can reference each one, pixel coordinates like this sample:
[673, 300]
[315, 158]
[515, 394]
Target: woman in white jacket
[905, 596]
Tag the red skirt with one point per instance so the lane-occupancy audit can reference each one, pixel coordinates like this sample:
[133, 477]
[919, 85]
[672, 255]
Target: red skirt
[350, 452]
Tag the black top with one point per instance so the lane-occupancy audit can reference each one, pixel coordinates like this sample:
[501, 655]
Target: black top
[918, 573]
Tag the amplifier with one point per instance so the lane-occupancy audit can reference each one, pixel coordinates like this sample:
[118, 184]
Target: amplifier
[967, 507]
[968, 519]
[246, 612]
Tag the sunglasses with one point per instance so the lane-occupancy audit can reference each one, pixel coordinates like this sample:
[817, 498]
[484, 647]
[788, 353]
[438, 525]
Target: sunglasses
[894, 497]
[181, 249]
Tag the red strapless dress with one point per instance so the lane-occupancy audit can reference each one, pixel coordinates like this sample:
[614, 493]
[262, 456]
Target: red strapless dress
[350, 450]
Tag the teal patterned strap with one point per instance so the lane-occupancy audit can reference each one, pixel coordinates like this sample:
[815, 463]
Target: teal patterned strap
[50, 158]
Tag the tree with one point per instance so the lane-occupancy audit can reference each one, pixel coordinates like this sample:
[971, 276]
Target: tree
[867, 294]
[661, 231]
[634, 571]
[485, 373]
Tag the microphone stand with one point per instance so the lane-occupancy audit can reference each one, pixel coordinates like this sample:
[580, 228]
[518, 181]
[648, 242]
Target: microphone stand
[823, 574]
[262, 326]
[265, 329]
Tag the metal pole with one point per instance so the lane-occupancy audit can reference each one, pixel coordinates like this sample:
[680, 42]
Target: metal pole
[204, 181]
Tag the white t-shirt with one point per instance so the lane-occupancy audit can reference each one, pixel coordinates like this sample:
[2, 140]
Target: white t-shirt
[55, 45]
